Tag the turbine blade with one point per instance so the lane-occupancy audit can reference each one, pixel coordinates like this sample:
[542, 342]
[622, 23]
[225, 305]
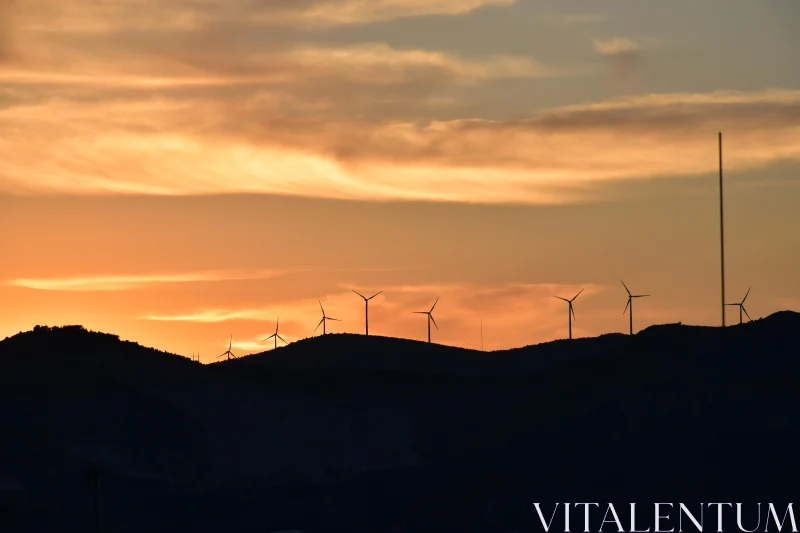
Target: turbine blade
[281, 338]
[434, 305]
[560, 298]
[419, 312]
[318, 325]
[745, 296]
[320, 306]
[329, 318]
[579, 293]
[572, 310]
[626, 287]
[374, 295]
[355, 291]
[639, 295]
[276, 324]
[626, 305]
[434, 321]
[745, 312]
[732, 304]
[223, 354]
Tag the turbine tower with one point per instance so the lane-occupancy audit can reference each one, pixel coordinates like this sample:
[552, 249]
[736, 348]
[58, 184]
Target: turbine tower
[228, 353]
[324, 320]
[570, 310]
[275, 335]
[741, 307]
[630, 303]
[366, 307]
[430, 317]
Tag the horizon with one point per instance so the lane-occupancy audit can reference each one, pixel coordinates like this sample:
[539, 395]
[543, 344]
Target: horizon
[268, 350]
[180, 178]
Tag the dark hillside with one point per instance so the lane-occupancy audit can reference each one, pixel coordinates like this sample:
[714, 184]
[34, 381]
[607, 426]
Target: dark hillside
[354, 433]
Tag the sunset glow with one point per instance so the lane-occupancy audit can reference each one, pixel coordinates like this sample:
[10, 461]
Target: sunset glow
[181, 172]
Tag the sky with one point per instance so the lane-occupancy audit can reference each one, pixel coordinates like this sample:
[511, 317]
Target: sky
[181, 172]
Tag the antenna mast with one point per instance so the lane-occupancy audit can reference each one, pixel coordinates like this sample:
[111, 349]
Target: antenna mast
[721, 232]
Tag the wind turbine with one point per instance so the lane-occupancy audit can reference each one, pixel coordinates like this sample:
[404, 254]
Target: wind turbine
[430, 317]
[228, 353]
[366, 304]
[324, 320]
[275, 335]
[570, 310]
[741, 307]
[630, 302]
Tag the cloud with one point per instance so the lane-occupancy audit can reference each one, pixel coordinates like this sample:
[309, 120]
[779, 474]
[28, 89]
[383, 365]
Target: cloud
[626, 57]
[132, 282]
[6, 28]
[569, 20]
[215, 315]
[201, 146]
[368, 63]
[200, 103]
[90, 17]
[216, 51]
[616, 46]
[378, 63]
[334, 13]
[121, 283]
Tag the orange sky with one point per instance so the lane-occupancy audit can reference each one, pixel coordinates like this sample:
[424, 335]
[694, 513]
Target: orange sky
[179, 173]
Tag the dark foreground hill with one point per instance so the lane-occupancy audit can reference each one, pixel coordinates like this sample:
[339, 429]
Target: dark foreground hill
[348, 433]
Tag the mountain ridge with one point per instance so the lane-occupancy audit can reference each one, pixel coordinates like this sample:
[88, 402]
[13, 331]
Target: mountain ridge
[345, 432]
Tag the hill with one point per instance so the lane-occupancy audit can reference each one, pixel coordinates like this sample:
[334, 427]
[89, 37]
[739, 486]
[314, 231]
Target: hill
[345, 432]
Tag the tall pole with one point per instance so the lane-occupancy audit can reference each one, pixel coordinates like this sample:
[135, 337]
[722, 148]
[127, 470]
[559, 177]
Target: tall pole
[721, 232]
[366, 312]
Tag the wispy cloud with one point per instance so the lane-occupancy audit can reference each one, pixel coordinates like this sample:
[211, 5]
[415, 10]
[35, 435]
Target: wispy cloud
[216, 315]
[128, 282]
[208, 105]
[616, 46]
[166, 146]
[568, 20]
[366, 63]
[516, 311]
[121, 283]
[5, 30]
[334, 13]
[91, 17]
[625, 56]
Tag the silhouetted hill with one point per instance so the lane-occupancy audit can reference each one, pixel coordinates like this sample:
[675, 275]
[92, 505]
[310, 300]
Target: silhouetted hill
[344, 351]
[353, 433]
[375, 354]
